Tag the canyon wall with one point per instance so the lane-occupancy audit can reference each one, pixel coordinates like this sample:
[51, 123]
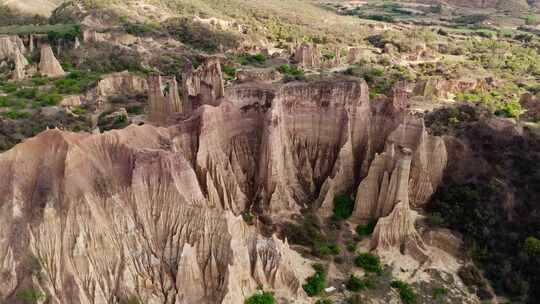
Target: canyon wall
[154, 212]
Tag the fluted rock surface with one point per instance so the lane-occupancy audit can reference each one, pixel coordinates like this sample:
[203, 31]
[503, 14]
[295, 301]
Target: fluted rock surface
[163, 98]
[9, 45]
[121, 83]
[203, 85]
[154, 212]
[20, 65]
[309, 56]
[119, 215]
[48, 64]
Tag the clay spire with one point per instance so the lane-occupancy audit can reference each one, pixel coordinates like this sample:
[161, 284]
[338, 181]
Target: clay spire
[20, 64]
[48, 64]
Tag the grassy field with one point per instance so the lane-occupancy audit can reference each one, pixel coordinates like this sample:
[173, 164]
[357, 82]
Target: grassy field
[35, 29]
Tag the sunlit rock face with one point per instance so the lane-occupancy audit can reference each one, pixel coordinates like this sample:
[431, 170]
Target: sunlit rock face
[48, 64]
[154, 212]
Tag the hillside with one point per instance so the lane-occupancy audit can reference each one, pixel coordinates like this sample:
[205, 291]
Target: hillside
[33, 7]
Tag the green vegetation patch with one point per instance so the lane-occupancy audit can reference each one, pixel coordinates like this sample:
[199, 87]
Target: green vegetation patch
[366, 229]
[369, 262]
[316, 283]
[406, 292]
[343, 207]
[261, 298]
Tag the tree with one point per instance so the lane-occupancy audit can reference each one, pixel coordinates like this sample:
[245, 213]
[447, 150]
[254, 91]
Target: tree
[261, 298]
[532, 246]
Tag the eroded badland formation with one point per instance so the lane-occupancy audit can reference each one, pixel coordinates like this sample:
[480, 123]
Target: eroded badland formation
[173, 153]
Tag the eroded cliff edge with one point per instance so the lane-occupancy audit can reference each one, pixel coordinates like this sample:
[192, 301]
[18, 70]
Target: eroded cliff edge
[155, 212]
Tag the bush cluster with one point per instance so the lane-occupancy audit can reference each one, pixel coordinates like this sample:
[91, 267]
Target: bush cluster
[369, 262]
[316, 283]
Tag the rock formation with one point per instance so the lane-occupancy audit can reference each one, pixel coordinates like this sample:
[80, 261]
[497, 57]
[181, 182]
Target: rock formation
[309, 56]
[48, 64]
[117, 215]
[20, 64]
[121, 83]
[386, 183]
[163, 104]
[438, 87]
[203, 85]
[9, 45]
[355, 55]
[261, 75]
[155, 212]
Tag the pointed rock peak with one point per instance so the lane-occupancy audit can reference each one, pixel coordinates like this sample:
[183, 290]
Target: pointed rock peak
[203, 85]
[20, 64]
[49, 65]
[397, 231]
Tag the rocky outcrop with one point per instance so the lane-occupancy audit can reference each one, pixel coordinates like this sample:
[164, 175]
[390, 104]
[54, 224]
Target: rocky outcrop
[203, 85]
[122, 83]
[355, 55]
[438, 87]
[48, 64]
[20, 66]
[9, 46]
[309, 56]
[121, 215]
[163, 98]
[260, 75]
[154, 213]
[386, 184]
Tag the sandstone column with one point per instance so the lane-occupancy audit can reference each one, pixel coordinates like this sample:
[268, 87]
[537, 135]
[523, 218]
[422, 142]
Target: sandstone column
[48, 64]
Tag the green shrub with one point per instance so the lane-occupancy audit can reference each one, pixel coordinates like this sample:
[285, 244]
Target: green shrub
[16, 115]
[248, 59]
[351, 246]
[141, 29]
[355, 284]
[201, 36]
[229, 71]
[532, 246]
[40, 81]
[327, 249]
[471, 19]
[436, 219]
[406, 293]
[510, 109]
[65, 33]
[366, 229]
[248, 217]
[369, 262]
[343, 207]
[135, 110]
[316, 283]
[262, 298]
[290, 70]
[440, 293]
[30, 296]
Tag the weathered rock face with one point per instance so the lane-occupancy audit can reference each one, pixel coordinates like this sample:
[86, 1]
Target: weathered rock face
[48, 64]
[309, 56]
[9, 45]
[20, 64]
[260, 75]
[203, 85]
[152, 212]
[120, 215]
[437, 87]
[162, 104]
[121, 83]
